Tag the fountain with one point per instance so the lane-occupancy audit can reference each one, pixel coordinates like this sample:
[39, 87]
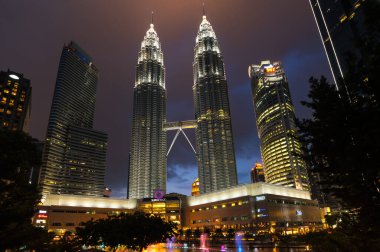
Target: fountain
[238, 242]
[203, 239]
[170, 242]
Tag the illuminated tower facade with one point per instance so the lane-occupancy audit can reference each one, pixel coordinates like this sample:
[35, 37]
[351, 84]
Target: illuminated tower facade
[15, 101]
[257, 173]
[215, 149]
[275, 120]
[74, 153]
[147, 169]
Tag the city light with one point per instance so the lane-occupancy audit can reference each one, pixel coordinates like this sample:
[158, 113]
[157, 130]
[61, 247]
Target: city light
[13, 76]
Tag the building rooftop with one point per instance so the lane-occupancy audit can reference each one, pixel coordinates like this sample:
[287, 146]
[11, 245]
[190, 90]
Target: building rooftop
[254, 189]
[83, 201]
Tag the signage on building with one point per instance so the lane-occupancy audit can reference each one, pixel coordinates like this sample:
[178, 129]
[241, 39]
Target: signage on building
[260, 198]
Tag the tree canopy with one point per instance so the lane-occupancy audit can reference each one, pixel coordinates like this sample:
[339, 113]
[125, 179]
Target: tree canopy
[18, 197]
[342, 139]
[135, 231]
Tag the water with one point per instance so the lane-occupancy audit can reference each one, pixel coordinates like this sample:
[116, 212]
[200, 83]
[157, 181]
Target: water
[222, 248]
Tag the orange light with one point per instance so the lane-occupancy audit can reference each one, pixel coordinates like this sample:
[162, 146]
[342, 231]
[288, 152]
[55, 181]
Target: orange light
[270, 69]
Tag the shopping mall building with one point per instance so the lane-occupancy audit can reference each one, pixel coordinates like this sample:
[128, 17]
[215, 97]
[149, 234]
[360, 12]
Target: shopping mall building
[256, 208]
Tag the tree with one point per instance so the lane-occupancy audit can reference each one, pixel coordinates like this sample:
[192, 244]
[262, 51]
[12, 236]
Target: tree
[342, 141]
[197, 233]
[230, 233]
[135, 231]
[188, 234]
[18, 198]
[218, 234]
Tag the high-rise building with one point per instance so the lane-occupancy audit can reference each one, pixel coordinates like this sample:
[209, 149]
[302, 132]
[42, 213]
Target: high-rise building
[340, 25]
[15, 101]
[147, 169]
[257, 173]
[275, 120]
[215, 148]
[195, 188]
[74, 153]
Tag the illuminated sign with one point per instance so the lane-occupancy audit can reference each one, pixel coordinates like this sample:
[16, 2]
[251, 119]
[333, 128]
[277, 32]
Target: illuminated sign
[158, 194]
[260, 198]
[42, 216]
[298, 212]
[15, 77]
[42, 211]
[260, 210]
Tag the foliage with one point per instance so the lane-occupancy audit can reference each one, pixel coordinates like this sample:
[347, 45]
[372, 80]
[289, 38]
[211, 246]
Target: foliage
[135, 231]
[18, 197]
[230, 233]
[188, 233]
[197, 233]
[342, 142]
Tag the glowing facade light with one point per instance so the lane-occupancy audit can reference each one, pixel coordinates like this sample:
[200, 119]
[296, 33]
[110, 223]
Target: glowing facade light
[13, 76]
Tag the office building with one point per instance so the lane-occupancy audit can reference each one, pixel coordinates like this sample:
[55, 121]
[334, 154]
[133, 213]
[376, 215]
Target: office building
[275, 120]
[15, 101]
[341, 25]
[215, 148]
[257, 173]
[74, 154]
[147, 166]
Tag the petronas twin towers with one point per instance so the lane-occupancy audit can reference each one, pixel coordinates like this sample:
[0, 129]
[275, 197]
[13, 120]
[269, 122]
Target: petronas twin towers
[215, 149]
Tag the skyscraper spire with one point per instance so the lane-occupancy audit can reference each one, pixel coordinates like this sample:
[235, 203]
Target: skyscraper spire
[215, 149]
[147, 171]
[204, 11]
[151, 18]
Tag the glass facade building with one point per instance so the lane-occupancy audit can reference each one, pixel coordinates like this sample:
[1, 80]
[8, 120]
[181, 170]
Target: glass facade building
[15, 101]
[215, 149]
[275, 119]
[147, 167]
[74, 154]
[340, 24]
[257, 173]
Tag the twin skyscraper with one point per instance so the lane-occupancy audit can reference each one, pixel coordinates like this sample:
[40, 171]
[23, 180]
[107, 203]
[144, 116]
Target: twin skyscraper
[215, 149]
[74, 154]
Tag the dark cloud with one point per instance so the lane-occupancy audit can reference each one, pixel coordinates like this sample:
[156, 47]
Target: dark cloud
[34, 31]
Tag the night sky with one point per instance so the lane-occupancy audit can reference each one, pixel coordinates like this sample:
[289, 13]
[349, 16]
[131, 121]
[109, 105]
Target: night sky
[32, 33]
